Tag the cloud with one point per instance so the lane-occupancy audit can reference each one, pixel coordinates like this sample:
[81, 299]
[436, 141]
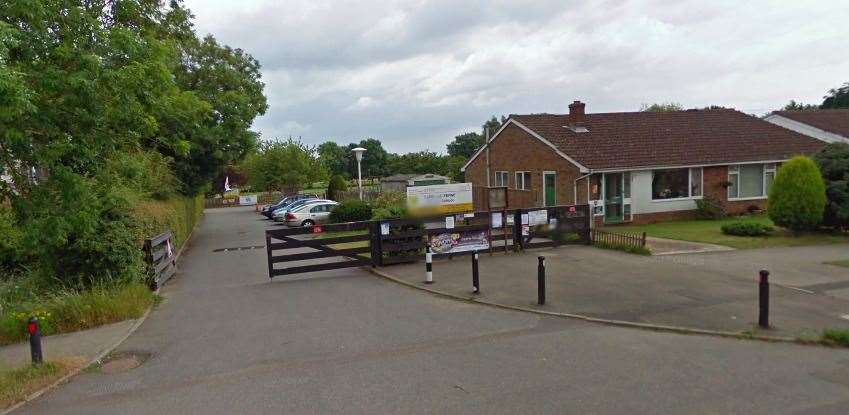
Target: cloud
[416, 73]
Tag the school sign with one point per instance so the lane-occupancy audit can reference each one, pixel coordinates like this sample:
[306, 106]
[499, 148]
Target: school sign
[440, 199]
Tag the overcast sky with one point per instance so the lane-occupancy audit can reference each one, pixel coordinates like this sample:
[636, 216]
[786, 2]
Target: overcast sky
[416, 73]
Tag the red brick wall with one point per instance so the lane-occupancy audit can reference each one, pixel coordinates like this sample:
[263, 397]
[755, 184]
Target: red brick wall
[516, 150]
[713, 177]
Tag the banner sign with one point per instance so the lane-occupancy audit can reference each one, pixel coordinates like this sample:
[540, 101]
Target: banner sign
[440, 199]
[447, 243]
[247, 200]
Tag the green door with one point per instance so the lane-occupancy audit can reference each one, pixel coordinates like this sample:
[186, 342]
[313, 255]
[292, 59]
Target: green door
[614, 211]
[549, 186]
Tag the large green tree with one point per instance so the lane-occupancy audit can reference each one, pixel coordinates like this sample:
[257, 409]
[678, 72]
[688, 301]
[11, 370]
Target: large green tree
[465, 145]
[335, 158]
[837, 97]
[375, 161]
[662, 107]
[833, 161]
[286, 166]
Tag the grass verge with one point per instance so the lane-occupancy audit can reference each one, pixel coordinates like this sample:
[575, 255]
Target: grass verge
[842, 263]
[710, 231]
[17, 384]
[836, 337]
[67, 311]
[638, 250]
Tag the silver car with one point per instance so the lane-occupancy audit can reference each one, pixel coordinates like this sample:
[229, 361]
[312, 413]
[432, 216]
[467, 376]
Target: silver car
[310, 214]
[279, 215]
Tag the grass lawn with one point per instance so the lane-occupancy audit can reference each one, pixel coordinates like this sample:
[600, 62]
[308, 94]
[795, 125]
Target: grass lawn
[709, 231]
[17, 384]
[842, 263]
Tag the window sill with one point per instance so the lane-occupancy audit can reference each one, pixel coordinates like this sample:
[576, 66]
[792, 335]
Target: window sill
[677, 199]
[523, 190]
[738, 199]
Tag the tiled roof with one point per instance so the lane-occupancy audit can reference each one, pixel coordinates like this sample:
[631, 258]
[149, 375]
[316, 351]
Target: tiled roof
[655, 139]
[833, 120]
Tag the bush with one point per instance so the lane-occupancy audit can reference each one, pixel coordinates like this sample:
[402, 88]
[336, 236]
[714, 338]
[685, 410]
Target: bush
[709, 207]
[797, 198]
[833, 161]
[351, 211]
[747, 229]
[179, 214]
[337, 184]
[390, 205]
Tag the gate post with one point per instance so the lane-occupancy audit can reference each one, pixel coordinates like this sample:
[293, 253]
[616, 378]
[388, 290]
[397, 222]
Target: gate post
[376, 244]
[517, 231]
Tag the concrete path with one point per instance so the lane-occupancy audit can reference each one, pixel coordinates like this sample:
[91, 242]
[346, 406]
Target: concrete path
[227, 340]
[714, 292]
[77, 346]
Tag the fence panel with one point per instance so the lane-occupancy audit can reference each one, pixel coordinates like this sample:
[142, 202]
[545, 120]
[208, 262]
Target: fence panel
[161, 259]
[618, 239]
[355, 247]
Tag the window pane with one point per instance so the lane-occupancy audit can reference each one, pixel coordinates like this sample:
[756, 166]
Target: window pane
[751, 180]
[670, 184]
[527, 181]
[769, 177]
[735, 184]
[627, 189]
[696, 182]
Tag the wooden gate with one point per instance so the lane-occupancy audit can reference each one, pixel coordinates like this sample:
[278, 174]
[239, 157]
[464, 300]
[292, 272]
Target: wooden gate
[319, 248]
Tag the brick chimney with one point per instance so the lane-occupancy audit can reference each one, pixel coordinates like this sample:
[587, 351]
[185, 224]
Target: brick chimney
[576, 113]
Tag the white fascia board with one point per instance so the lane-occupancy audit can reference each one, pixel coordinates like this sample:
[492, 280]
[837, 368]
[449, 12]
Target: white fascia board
[681, 166]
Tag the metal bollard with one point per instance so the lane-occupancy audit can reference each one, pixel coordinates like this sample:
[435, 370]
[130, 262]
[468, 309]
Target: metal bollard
[541, 281]
[429, 267]
[763, 297]
[34, 330]
[475, 279]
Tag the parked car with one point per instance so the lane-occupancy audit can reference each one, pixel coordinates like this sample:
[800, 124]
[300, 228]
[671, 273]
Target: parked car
[280, 214]
[310, 214]
[268, 211]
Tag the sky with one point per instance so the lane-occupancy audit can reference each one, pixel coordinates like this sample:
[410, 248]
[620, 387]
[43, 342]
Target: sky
[414, 74]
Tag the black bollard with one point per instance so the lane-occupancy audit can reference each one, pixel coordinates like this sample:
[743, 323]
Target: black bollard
[763, 315]
[541, 281]
[34, 330]
[475, 279]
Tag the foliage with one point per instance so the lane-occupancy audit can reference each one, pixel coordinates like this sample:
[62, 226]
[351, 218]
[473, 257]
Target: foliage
[336, 159]
[838, 337]
[710, 207]
[747, 229]
[837, 97]
[833, 161]
[336, 184]
[17, 384]
[465, 145]
[285, 166]
[420, 162]
[390, 205]
[178, 214]
[797, 198]
[798, 106]
[351, 211]
[10, 239]
[661, 107]
[375, 161]
[72, 310]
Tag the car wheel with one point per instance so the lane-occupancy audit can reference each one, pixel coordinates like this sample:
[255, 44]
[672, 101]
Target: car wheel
[307, 223]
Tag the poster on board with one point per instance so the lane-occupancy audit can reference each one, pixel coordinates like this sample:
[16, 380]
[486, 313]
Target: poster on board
[453, 242]
[440, 199]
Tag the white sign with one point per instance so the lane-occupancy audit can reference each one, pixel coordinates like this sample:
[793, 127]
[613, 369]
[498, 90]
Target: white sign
[440, 199]
[538, 217]
[247, 200]
[525, 219]
[384, 229]
[449, 222]
[496, 220]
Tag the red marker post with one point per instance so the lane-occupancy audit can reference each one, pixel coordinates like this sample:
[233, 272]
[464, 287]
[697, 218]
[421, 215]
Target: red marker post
[34, 330]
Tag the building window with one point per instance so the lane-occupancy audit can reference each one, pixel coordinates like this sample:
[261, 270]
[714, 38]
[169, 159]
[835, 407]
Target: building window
[750, 180]
[501, 178]
[523, 180]
[676, 183]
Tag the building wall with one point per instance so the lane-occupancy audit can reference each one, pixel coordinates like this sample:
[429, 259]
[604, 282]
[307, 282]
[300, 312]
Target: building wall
[515, 150]
[641, 201]
[806, 129]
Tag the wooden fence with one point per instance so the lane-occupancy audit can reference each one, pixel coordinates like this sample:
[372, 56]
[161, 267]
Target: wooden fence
[618, 239]
[161, 259]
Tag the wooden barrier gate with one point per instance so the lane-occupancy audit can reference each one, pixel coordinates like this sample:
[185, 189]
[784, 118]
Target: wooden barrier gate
[352, 249]
[161, 259]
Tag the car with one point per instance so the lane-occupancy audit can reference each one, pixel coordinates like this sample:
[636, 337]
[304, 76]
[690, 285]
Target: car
[268, 211]
[279, 214]
[310, 214]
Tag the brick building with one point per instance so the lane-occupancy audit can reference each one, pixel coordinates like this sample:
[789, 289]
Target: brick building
[635, 166]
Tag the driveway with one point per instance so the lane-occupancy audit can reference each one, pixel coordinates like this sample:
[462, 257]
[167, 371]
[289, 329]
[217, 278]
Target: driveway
[227, 340]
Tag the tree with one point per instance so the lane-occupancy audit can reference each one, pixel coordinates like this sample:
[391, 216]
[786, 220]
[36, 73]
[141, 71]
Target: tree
[833, 161]
[375, 161]
[493, 124]
[797, 198]
[335, 158]
[336, 184]
[286, 166]
[662, 107]
[798, 106]
[420, 162]
[465, 145]
[837, 97]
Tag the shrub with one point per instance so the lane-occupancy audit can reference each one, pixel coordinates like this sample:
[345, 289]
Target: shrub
[351, 211]
[797, 198]
[10, 239]
[337, 184]
[709, 207]
[747, 229]
[394, 212]
[389, 200]
[833, 161]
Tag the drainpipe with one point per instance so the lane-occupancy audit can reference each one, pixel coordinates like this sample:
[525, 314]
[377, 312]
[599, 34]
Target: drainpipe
[486, 146]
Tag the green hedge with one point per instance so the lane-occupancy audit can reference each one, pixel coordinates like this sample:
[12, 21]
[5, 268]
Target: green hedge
[351, 211]
[179, 214]
[747, 229]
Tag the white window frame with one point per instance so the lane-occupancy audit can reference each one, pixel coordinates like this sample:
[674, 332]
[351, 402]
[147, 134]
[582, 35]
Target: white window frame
[734, 169]
[518, 177]
[506, 178]
[689, 185]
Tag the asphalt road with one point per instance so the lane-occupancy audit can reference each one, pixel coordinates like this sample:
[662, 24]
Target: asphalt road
[227, 340]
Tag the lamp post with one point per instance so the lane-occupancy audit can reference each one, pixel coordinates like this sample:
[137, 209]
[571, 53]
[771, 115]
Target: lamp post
[359, 153]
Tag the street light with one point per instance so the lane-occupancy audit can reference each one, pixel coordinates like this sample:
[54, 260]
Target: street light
[359, 153]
